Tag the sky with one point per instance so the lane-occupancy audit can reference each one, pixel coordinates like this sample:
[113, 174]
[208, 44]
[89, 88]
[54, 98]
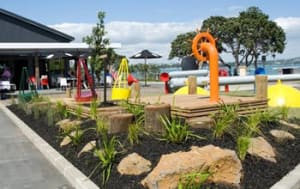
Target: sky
[152, 24]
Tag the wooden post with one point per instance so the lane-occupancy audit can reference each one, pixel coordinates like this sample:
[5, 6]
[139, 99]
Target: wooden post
[136, 91]
[192, 85]
[261, 86]
[119, 123]
[37, 70]
[68, 92]
[152, 117]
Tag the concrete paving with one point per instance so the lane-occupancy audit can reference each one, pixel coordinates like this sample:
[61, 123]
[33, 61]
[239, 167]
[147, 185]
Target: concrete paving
[22, 165]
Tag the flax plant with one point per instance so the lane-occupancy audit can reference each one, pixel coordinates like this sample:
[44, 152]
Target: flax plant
[106, 155]
[93, 109]
[176, 131]
[224, 119]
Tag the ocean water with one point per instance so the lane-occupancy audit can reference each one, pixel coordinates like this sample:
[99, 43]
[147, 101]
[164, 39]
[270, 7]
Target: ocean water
[270, 69]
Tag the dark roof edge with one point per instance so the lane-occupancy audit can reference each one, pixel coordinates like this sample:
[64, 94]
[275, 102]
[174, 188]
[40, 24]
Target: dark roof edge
[36, 24]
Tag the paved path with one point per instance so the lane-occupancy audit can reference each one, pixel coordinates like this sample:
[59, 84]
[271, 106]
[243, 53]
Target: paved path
[22, 166]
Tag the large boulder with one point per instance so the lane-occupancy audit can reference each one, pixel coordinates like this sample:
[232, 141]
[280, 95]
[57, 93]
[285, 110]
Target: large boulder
[223, 164]
[134, 164]
[259, 147]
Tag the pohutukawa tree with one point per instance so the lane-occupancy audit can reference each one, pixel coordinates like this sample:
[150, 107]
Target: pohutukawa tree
[246, 37]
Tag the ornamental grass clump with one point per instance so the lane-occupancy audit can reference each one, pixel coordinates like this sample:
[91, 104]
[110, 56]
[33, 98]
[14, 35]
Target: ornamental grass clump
[78, 112]
[176, 131]
[135, 132]
[243, 143]
[137, 110]
[93, 109]
[224, 119]
[75, 135]
[249, 127]
[62, 110]
[106, 155]
[268, 116]
[101, 128]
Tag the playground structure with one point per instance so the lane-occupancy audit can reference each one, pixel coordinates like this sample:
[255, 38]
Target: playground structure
[84, 96]
[121, 90]
[204, 49]
[25, 80]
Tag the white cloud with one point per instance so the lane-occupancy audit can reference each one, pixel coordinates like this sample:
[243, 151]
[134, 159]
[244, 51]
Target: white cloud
[291, 25]
[157, 37]
[134, 36]
[77, 30]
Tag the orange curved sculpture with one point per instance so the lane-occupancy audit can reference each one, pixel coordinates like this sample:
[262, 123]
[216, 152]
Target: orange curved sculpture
[204, 49]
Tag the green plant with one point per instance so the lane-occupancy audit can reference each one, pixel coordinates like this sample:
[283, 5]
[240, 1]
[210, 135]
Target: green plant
[269, 116]
[284, 112]
[251, 124]
[224, 119]
[243, 143]
[50, 117]
[193, 180]
[75, 135]
[101, 128]
[176, 131]
[93, 109]
[106, 155]
[37, 98]
[62, 109]
[135, 130]
[136, 110]
[78, 112]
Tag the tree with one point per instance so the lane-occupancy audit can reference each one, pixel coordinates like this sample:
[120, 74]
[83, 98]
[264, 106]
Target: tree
[246, 37]
[226, 31]
[182, 45]
[260, 36]
[98, 44]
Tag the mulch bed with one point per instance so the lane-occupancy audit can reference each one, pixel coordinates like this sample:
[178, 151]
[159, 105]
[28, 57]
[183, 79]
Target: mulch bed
[258, 173]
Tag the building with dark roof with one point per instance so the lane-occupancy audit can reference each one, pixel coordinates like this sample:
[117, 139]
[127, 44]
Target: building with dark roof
[26, 43]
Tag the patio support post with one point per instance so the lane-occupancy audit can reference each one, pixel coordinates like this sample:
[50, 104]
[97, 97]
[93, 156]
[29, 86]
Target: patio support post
[37, 69]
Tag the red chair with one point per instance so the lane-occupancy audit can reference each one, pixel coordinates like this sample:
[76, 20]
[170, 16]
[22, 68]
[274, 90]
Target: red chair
[44, 81]
[32, 81]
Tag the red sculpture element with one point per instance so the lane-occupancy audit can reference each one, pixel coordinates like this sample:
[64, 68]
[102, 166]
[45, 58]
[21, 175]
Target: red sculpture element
[84, 96]
[165, 78]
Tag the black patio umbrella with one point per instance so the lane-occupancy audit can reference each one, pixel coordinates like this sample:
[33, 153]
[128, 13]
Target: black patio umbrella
[145, 54]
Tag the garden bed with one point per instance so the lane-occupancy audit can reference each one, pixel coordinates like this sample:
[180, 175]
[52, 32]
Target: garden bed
[258, 173]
